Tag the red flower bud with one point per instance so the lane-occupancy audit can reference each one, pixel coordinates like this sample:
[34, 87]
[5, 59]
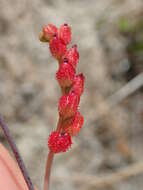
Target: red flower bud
[57, 48]
[73, 56]
[59, 142]
[65, 33]
[76, 124]
[65, 74]
[68, 105]
[49, 31]
[78, 85]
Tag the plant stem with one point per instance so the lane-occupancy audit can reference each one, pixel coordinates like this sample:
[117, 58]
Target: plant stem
[16, 153]
[48, 170]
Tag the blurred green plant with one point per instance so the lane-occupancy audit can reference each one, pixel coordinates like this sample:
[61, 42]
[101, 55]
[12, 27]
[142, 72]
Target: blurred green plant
[125, 25]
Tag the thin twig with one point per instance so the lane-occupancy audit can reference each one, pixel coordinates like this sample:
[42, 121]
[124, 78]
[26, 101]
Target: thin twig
[115, 99]
[106, 180]
[16, 153]
[126, 90]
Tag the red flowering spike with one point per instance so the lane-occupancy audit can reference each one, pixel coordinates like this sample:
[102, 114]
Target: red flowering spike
[49, 31]
[57, 48]
[78, 85]
[59, 142]
[73, 56]
[68, 105]
[76, 124]
[65, 74]
[65, 33]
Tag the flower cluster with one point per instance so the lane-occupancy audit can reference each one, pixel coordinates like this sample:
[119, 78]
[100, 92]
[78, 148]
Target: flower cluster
[72, 86]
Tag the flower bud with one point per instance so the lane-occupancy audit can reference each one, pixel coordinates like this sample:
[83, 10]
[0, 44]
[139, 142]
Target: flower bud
[65, 74]
[65, 33]
[73, 56]
[49, 31]
[76, 124]
[78, 85]
[68, 105]
[59, 142]
[57, 48]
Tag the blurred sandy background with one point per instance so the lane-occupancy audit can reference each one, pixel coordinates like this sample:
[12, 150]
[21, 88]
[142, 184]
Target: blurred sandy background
[109, 34]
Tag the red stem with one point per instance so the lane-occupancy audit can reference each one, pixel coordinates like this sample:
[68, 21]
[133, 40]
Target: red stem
[49, 162]
[48, 170]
